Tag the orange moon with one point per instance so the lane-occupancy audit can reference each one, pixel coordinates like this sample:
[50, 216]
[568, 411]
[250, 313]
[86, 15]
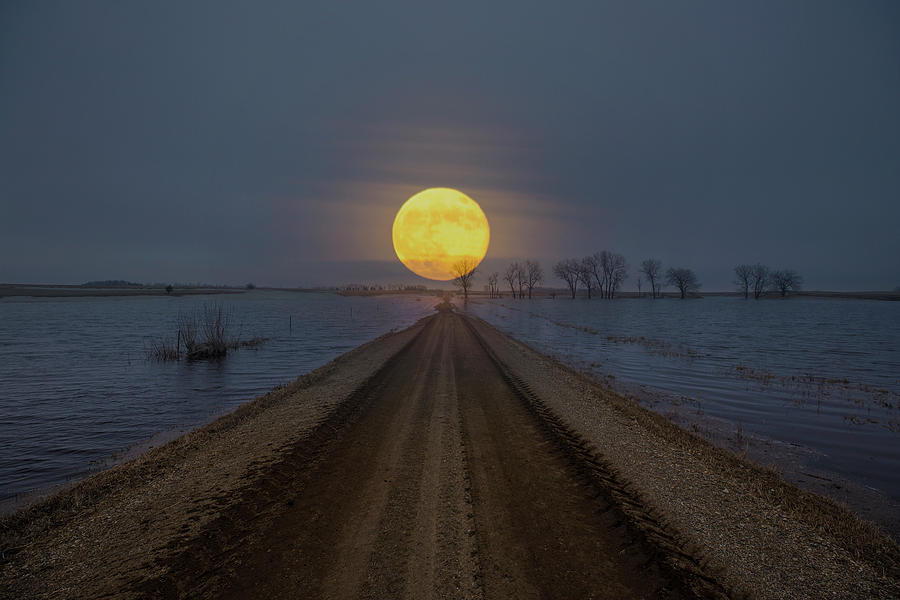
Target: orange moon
[437, 228]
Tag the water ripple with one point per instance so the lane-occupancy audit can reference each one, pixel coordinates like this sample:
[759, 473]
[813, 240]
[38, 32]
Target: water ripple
[818, 372]
[76, 387]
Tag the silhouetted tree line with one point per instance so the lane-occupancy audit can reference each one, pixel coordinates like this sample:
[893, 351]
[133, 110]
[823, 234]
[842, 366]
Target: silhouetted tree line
[759, 279]
[603, 273]
[112, 283]
[360, 287]
[521, 278]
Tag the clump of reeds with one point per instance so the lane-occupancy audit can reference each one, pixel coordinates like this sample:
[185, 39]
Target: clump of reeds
[206, 335]
[164, 350]
[203, 334]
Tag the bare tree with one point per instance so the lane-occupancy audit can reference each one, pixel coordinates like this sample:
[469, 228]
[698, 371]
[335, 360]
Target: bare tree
[785, 281]
[593, 265]
[520, 279]
[568, 270]
[605, 260]
[652, 269]
[586, 269]
[534, 274]
[744, 278]
[759, 280]
[684, 279]
[494, 284]
[464, 271]
[610, 270]
[615, 270]
[511, 276]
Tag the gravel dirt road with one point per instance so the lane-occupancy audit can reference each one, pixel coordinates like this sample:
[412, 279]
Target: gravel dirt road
[437, 482]
[442, 461]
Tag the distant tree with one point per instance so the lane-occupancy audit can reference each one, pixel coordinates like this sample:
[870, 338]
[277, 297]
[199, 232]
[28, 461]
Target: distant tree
[684, 279]
[586, 270]
[592, 267]
[169, 288]
[511, 276]
[592, 276]
[759, 279]
[786, 281]
[251, 286]
[603, 258]
[743, 278]
[521, 278]
[112, 283]
[494, 283]
[464, 271]
[568, 270]
[652, 269]
[615, 271]
[534, 274]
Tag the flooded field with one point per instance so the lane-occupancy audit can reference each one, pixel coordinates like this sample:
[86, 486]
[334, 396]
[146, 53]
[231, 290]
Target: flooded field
[77, 388]
[76, 385]
[822, 374]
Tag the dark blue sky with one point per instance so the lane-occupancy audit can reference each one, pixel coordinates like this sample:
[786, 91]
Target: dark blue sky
[273, 142]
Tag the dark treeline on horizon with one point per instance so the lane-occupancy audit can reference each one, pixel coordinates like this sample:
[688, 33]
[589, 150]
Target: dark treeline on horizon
[603, 274]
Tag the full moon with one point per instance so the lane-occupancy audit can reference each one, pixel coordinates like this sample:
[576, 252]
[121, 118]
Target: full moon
[436, 229]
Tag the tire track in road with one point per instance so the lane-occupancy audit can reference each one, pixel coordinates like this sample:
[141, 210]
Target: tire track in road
[416, 554]
[552, 522]
[384, 516]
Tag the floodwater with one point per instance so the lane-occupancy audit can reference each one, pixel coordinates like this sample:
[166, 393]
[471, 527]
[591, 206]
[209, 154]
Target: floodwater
[821, 373]
[76, 386]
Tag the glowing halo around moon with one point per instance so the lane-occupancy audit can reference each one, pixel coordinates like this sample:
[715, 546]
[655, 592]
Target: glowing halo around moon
[436, 229]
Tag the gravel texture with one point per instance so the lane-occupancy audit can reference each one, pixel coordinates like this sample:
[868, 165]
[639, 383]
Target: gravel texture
[764, 537]
[110, 531]
[445, 460]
